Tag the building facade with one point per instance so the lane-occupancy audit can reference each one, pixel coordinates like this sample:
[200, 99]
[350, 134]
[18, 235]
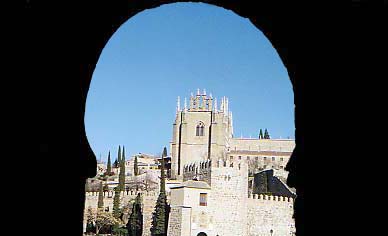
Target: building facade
[213, 168]
[202, 131]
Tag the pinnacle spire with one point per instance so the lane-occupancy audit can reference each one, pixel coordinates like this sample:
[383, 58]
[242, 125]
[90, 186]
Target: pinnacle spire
[178, 104]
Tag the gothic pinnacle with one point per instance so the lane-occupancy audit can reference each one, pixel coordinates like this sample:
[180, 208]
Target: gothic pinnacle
[178, 104]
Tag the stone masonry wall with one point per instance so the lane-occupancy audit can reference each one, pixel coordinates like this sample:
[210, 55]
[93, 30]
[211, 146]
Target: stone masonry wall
[179, 223]
[270, 212]
[148, 204]
[228, 201]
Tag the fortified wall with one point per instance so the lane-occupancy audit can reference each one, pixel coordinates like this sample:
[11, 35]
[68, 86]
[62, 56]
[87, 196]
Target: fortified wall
[266, 213]
[229, 210]
[228, 198]
[148, 204]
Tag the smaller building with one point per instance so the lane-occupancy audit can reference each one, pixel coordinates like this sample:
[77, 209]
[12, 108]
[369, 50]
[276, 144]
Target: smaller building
[144, 162]
[189, 211]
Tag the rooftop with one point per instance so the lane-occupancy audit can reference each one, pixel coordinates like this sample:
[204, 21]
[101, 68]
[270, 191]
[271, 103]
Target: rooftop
[193, 184]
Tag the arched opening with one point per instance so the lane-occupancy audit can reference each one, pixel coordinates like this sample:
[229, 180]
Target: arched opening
[200, 132]
[201, 234]
[200, 129]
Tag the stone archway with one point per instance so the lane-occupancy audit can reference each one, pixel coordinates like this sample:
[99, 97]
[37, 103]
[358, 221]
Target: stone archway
[201, 234]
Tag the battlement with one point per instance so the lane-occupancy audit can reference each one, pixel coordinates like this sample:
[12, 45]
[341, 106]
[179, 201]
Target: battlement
[239, 165]
[110, 194]
[203, 166]
[198, 170]
[197, 166]
[271, 198]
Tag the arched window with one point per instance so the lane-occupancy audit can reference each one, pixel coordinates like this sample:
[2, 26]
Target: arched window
[200, 129]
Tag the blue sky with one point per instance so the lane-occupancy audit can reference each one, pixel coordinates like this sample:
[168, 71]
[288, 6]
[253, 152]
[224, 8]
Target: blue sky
[171, 51]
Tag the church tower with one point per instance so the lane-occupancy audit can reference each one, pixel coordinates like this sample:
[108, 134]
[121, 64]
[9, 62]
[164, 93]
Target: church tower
[201, 131]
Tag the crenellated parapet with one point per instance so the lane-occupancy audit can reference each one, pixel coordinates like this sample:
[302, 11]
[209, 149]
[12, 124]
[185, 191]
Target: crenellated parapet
[270, 198]
[198, 170]
[110, 194]
[239, 165]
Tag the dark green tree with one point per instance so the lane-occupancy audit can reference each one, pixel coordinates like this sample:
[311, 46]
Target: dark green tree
[116, 204]
[119, 156]
[261, 134]
[109, 166]
[135, 167]
[122, 171]
[164, 152]
[100, 203]
[116, 163]
[160, 215]
[135, 221]
[266, 134]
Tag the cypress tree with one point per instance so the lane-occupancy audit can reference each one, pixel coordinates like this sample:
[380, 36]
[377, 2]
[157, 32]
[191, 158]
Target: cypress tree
[135, 221]
[135, 167]
[162, 174]
[266, 135]
[261, 134]
[122, 171]
[164, 152]
[116, 204]
[100, 203]
[109, 165]
[119, 155]
[116, 163]
[160, 215]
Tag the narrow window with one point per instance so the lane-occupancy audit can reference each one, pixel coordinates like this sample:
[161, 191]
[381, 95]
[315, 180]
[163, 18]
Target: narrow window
[239, 157]
[203, 199]
[281, 159]
[200, 129]
[273, 158]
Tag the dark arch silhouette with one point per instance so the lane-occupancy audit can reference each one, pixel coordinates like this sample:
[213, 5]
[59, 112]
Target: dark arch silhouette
[61, 59]
[201, 234]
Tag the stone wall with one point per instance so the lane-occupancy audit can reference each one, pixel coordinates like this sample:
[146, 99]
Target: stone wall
[250, 144]
[179, 223]
[148, 204]
[228, 199]
[266, 213]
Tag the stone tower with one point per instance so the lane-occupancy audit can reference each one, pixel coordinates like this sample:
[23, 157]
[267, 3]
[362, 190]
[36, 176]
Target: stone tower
[201, 131]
